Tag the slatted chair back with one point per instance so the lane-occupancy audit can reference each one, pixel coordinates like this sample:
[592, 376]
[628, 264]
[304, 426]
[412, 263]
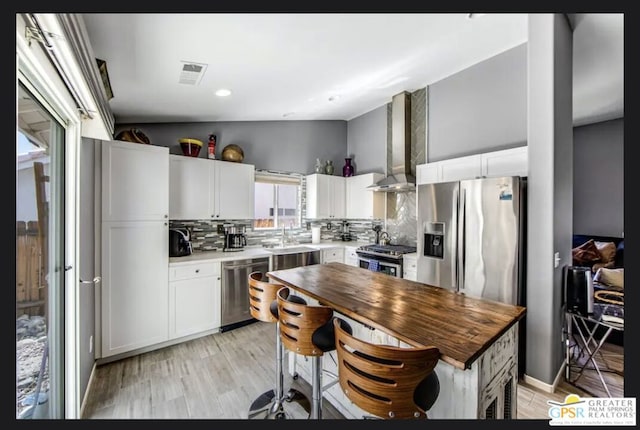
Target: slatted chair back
[299, 322]
[384, 380]
[261, 295]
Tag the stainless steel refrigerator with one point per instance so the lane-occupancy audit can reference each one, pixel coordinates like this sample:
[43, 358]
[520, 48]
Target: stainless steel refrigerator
[471, 237]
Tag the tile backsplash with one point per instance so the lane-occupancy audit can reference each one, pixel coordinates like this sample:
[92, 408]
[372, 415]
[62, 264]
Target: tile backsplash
[205, 236]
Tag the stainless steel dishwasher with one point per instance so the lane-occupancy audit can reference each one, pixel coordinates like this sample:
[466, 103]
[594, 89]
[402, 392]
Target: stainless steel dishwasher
[235, 290]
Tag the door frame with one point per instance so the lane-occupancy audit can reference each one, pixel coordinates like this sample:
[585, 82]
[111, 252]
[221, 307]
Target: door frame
[35, 71]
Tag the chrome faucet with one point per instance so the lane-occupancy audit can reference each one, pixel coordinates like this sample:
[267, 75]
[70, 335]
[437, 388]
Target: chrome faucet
[282, 238]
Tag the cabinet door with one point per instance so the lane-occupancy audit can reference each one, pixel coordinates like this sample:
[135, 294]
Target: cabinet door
[361, 202]
[188, 187]
[410, 268]
[235, 188]
[333, 255]
[318, 196]
[337, 197]
[429, 173]
[461, 168]
[135, 182]
[509, 162]
[196, 305]
[135, 290]
[350, 256]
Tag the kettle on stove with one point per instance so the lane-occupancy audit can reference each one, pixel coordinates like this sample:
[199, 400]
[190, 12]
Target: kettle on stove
[179, 242]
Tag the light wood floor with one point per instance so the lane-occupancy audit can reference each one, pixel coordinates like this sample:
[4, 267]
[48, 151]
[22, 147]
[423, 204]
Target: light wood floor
[220, 375]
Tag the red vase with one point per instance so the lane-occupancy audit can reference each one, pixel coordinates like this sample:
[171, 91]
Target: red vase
[347, 169]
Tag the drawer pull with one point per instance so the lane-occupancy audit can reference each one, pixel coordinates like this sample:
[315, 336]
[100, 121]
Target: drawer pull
[197, 270]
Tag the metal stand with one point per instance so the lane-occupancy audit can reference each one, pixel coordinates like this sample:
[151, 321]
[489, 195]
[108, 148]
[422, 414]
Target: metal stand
[590, 346]
[274, 404]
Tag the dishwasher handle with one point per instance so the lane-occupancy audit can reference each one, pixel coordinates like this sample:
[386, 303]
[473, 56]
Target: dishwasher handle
[231, 265]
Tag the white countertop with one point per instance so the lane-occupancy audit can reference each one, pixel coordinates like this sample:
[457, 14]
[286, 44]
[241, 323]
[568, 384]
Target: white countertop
[253, 252]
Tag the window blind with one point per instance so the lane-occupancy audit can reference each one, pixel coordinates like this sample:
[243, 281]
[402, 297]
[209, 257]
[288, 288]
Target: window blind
[278, 178]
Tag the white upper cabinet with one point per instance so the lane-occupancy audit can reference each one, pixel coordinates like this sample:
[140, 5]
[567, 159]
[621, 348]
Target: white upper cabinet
[135, 179]
[210, 189]
[363, 203]
[464, 167]
[189, 187]
[326, 196]
[234, 190]
[508, 162]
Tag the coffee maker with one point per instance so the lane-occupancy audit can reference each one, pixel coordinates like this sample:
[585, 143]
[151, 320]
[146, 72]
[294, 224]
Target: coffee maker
[234, 237]
[179, 242]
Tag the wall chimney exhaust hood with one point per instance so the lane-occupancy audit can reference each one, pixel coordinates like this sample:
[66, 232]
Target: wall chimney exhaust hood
[400, 179]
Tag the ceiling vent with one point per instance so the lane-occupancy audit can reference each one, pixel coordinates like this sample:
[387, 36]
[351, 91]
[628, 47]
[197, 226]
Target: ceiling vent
[191, 73]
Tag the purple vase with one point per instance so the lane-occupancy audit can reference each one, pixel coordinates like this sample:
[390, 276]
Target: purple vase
[347, 170]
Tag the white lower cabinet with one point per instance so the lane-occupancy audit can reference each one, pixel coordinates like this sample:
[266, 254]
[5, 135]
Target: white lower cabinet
[410, 267]
[134, 290]
[350, 256]
[194, 298]
[332, 255]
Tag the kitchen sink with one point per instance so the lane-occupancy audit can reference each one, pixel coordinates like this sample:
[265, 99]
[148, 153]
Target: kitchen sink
[291, 249]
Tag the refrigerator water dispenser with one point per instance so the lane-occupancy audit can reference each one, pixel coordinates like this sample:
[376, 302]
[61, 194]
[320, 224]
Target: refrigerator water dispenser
[434, 240]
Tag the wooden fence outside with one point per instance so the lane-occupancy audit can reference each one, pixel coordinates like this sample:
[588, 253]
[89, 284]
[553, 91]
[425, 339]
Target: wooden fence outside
[30, 282]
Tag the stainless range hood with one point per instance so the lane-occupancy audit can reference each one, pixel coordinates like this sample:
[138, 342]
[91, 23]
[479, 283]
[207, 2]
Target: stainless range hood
[400, 179]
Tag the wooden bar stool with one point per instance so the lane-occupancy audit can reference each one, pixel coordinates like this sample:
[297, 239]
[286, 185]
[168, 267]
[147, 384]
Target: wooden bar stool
[307, 330]
[384, 380]
[264, 307]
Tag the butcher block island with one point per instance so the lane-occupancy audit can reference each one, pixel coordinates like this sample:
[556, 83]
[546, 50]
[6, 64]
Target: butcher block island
[477, 338]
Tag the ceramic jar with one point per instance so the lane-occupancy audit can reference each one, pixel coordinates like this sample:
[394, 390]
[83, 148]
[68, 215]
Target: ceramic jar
[328, 168]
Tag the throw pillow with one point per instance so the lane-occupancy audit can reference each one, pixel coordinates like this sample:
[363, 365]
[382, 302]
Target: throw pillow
[611, 277]
[586, 254]
[607, 251]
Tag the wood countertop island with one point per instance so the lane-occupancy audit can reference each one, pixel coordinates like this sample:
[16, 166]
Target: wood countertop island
[477, 338]
[418, 314]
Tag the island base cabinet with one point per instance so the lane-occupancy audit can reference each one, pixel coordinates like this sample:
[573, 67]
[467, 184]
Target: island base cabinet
[486, 390]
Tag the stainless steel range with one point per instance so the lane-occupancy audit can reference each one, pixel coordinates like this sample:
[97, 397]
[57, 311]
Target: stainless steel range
[383, 258]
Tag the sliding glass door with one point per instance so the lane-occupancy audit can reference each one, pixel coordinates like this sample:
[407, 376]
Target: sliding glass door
[40, 256]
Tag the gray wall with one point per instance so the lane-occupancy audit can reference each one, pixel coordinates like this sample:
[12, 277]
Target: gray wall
[367, 141]
[86, 253]
[598, 178]
[550, 201]
[480, 109]
[291, 146]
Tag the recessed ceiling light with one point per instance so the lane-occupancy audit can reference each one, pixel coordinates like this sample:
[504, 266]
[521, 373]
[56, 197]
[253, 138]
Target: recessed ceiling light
[287, 114]
[223, 92]
[475, 15]
[334, 98]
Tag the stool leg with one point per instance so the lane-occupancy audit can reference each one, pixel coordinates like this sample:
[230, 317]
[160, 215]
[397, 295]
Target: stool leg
[316, 397]
[271, 404]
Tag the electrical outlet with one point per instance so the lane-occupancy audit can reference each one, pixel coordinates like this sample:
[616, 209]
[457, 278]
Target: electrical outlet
[90, 344]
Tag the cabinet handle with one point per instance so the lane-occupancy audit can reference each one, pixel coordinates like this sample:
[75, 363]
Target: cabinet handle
[218, 278]
[197, 270]
[166, 216]
[213, 216]
[165, 223]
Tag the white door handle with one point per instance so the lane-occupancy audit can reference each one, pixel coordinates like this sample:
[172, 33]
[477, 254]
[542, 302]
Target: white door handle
[94, 281]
